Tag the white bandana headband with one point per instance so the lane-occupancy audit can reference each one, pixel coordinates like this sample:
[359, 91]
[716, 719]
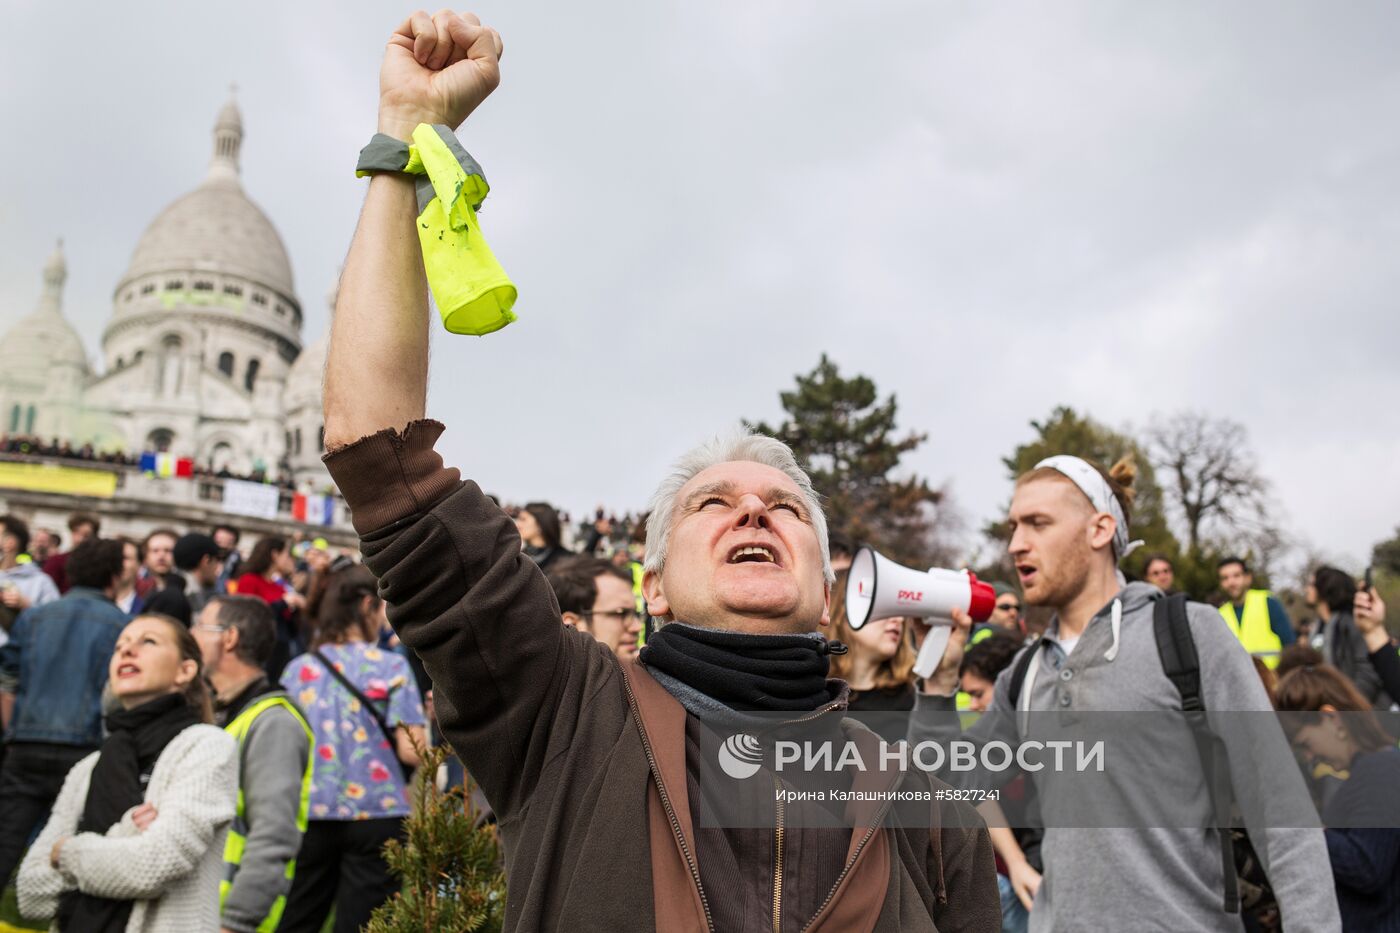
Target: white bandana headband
[1091, 482]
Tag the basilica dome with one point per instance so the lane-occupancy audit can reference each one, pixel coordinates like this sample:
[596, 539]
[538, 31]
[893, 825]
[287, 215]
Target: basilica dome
[216, 228]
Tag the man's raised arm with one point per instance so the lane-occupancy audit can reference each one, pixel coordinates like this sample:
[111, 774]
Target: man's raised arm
[460, 592]
[436, 70]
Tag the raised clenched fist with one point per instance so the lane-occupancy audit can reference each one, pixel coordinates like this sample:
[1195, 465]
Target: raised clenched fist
[436, 70]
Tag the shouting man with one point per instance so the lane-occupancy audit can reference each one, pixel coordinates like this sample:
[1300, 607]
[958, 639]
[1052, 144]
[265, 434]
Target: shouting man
[586, 759]
[1100, 654]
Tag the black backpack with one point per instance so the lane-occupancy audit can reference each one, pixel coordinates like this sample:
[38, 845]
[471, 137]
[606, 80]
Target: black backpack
[1177, 649]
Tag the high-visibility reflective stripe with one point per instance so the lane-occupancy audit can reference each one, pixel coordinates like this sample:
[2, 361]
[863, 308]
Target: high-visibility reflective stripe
[473, 293]
[233, 853]
[383, 154]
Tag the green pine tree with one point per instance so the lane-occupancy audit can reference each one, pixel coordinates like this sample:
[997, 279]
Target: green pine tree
[844, 436]
[449, 865]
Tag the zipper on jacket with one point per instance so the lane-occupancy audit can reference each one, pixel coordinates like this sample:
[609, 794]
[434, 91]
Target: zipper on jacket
[850, 863]
[666, 802]
[778, 857]
[778, 866]
[779, 828]
[817, 713]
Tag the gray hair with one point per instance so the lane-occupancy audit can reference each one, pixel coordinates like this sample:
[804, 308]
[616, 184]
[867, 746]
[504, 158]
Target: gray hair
[738, 446]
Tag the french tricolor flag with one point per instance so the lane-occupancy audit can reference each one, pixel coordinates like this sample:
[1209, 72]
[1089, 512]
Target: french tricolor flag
[166, 465]
[314, 509]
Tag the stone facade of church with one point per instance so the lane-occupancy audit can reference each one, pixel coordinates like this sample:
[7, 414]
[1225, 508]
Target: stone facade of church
[202, 356]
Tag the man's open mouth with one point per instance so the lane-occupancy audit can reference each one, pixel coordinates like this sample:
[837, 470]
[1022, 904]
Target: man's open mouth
[753, 554]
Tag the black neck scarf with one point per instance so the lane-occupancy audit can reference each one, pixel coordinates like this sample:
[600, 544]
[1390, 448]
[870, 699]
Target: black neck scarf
[137, 738]
[749, 673]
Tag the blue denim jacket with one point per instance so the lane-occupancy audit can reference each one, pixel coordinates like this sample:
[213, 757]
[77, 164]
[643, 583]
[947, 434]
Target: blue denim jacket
[56, 664]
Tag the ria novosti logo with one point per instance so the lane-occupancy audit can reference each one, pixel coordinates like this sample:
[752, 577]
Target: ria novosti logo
[740, 756]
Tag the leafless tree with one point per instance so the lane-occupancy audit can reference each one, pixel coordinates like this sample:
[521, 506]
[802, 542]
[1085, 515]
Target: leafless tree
[1209, 476]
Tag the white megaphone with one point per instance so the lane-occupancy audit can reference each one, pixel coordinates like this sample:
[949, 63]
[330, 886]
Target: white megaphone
[878, 588]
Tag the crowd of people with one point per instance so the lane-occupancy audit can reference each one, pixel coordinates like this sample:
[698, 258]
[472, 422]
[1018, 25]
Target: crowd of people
[31, 447]
[1341, 659]
[199, 739]
[116, 652]
[121, 803]
[117, 656]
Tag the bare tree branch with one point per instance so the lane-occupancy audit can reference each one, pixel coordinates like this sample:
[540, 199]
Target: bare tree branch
[1217, 483]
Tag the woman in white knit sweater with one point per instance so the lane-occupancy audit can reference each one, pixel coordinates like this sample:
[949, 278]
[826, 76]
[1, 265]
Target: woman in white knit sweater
[135, 841]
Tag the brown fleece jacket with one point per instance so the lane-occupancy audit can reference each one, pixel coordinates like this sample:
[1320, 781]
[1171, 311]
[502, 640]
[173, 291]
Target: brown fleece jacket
[582, 757]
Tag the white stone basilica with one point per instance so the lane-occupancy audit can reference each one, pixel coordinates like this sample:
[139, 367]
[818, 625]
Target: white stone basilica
[202, 356]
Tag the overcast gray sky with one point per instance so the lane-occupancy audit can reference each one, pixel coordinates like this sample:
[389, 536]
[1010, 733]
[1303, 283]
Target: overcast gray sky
[990, 208]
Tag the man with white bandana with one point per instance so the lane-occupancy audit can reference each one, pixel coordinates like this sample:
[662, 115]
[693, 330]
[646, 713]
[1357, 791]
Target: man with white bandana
[1069, 524]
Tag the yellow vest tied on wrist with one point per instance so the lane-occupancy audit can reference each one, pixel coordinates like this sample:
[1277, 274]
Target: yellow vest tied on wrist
[473, 293]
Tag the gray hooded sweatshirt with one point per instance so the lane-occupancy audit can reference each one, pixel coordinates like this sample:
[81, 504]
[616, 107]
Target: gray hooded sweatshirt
[33, 583]
[1145, 879]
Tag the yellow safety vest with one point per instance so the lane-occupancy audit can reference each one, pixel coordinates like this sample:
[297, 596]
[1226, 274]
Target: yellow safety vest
[1254, 631]
[238, 832]
[637, 574]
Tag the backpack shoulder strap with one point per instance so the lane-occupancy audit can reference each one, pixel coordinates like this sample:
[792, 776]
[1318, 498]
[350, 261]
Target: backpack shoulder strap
[1019, 669]
[1177, 648]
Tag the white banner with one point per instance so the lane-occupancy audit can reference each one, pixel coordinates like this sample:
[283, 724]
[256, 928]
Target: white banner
[256, 499]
